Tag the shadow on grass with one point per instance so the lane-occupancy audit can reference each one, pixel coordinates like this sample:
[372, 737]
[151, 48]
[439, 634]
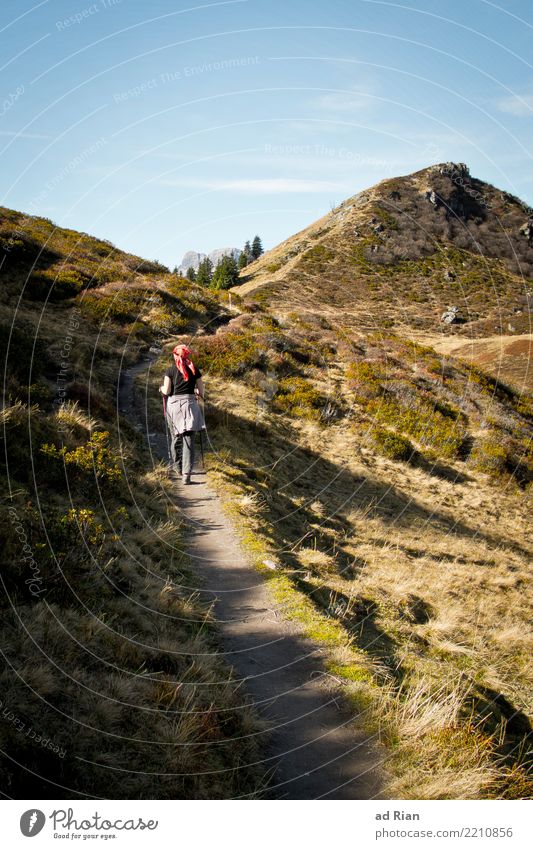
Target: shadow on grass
[288, 479]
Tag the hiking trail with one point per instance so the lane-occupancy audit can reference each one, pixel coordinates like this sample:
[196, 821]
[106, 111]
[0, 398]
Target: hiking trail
[312, 744]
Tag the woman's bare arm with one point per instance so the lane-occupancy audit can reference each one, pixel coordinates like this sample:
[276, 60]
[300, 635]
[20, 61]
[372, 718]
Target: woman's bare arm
[199, 388]
[165, 388]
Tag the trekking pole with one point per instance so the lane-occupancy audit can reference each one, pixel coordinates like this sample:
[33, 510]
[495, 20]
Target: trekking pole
[202, 449]
[169, 456]
[202, 434]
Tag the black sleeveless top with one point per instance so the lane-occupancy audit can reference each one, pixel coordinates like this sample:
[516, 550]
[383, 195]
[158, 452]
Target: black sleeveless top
[178, 384]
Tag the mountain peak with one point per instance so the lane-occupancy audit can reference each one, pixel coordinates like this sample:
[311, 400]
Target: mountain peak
[415, 244]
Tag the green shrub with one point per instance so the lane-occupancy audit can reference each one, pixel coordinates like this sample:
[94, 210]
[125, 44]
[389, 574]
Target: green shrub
[298, 397]
[23, 428]
[230, 354]
[489, 455]
[317, 255]
[57, 286]
[392, 445]
[138, 330]
[76, 527]
[364, 379]
[17, 342]
[94, 457]
[424, 422]
[364, 371]
[122, 306]
[524, 406]
[165, 320]
[386, 217]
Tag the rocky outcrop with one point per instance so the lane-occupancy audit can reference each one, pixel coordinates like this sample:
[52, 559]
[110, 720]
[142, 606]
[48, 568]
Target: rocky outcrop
[192, 259]
[463, 201]
[451, 316]
[453, 169]
[526, 230]
[216, 255]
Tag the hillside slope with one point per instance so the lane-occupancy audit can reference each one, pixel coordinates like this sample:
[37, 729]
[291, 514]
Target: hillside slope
[507, 358]
[111, 684]
[413, 246]
[390, 482]
[390, 487]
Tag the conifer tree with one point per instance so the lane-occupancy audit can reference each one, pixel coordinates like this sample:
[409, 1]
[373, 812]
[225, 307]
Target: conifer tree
[191, 274]
[226, 273]
[257, 247]
[205, 272]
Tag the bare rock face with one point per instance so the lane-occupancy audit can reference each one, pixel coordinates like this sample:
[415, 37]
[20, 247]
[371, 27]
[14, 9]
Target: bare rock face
[451, 316]
[454, 169]
[216, 255]
[526, 230]
[191, 259]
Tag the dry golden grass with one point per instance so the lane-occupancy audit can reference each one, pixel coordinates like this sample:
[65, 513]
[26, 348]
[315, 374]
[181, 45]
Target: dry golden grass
[507, 358]
[427, 576]
[70, 414]
[116, 662]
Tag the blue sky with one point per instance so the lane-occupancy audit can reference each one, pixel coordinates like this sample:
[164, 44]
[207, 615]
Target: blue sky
[172, 125]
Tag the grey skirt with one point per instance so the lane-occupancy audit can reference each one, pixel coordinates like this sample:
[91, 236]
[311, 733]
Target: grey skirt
[184, 413]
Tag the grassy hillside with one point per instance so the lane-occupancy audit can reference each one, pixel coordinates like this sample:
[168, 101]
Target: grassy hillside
[398, 254]
[389, 482]
[507, 358]
[111, 685]
[392, 489]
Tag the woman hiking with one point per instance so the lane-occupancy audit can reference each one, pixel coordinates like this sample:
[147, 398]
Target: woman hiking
[183, 386]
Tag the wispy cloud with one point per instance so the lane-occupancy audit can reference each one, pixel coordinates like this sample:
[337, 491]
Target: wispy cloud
[520, 105]
[346, 102]
[269, 186]
[14, 134]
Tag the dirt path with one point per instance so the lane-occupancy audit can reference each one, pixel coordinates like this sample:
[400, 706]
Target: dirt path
[311, 744]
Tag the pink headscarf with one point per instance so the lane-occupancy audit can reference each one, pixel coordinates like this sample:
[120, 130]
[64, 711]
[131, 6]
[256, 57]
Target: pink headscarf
[181, 356]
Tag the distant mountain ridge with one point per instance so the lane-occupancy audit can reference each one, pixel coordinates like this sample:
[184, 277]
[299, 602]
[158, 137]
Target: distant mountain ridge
[192, 259]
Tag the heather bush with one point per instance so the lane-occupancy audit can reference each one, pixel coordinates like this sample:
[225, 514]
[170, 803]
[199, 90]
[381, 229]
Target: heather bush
[489, 455]
[95, 457]
[298, 397]
[392, 445]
